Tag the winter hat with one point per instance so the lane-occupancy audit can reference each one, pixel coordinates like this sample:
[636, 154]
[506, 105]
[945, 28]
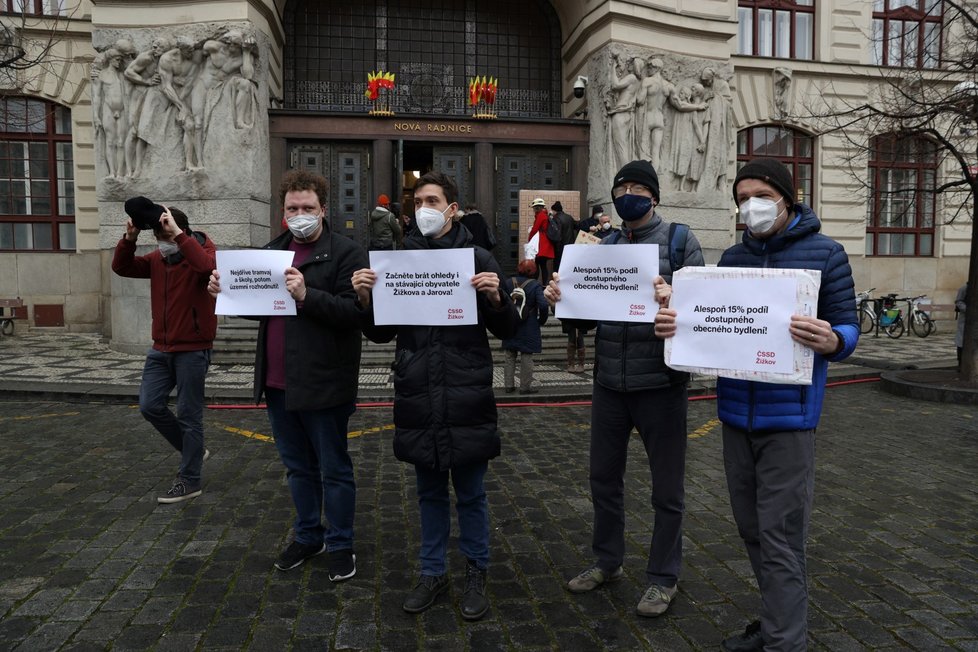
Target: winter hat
[383, 200]
[597, 210]
[770, 171]
[538, 202]
[639, 172]
[557, 207]
[144, 213]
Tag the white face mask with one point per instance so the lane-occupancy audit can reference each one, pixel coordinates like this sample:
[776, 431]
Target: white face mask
[760, 214]
[606, 225]
[430, 220]
[167, 248]
[304, 225]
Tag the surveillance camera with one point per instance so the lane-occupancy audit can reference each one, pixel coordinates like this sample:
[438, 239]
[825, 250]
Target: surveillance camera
[579, 85]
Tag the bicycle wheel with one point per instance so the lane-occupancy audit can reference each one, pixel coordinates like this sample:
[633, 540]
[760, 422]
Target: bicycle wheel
[867, 320]
[895, 330]
[921, 324]
[7, 327]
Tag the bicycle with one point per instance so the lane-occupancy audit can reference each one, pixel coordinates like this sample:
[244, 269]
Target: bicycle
[889, 318]
[920, 322]
[867, 316]
[6, 326]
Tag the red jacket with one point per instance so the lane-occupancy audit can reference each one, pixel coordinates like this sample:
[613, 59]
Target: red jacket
[183, 311]
[546, 249]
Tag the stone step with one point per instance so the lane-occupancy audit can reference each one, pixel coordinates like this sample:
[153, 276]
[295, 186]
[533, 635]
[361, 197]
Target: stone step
[235, 345]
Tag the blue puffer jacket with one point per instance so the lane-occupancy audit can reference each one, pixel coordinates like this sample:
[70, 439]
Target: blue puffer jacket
[764, 407]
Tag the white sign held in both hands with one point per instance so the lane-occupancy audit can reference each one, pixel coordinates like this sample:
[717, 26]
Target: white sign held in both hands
[428, 287]
[253, 282]
[733, 322]
[608, 283]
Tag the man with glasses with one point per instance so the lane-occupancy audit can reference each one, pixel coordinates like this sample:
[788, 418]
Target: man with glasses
[633, 388]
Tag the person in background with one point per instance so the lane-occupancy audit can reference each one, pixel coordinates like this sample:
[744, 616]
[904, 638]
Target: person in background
[385, 230]
[587, 224]
[604, 227]
[444, 408]
[545, 249]
[307, 366]
[959, 310]
[635, 389]
[184, 328]
[473, 220]
[533, 311]
[769, 428]
[568, 231]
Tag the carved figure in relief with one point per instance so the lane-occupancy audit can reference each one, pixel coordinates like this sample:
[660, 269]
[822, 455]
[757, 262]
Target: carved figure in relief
[687, 143]
[179, 69]
[109, 111]
[781, 81]
[147, 104]
[652, 98]
[620, 108]
[717, 128]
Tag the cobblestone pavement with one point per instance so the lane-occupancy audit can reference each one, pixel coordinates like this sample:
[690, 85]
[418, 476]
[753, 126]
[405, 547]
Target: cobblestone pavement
[90, 561]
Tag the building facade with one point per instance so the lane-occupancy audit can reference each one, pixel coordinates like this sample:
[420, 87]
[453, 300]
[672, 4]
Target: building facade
[204, 105]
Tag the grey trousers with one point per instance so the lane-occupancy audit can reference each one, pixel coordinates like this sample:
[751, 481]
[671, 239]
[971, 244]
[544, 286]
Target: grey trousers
[771, 479]
[526, 369]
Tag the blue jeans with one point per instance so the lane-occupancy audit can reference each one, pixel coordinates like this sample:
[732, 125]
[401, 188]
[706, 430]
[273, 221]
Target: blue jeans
[473, 515]
[186, 371]
[313, 447]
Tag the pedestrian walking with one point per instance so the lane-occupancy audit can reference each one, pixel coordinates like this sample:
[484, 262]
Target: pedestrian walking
[633, 388]
[184, 327]
[769, 428]
[545, 249]
[444, 408]
[307, 367]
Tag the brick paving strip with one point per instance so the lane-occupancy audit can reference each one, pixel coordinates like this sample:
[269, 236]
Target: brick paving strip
[90, 561]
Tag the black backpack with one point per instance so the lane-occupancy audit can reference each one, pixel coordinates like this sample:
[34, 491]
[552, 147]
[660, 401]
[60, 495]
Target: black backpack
[553, 232]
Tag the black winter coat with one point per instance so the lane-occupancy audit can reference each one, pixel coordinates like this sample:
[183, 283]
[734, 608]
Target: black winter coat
[444, 407]
[322, 341]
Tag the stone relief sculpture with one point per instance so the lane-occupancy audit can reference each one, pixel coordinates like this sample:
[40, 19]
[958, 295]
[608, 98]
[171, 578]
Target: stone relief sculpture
[620, 108]
[781, 83]
[688, 139]
[142, 101]
[717, 131]
[109, 111]
[655, 92]
[147, 104]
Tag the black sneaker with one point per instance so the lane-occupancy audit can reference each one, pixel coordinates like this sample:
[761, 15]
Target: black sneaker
[342, 565]
[474, 601]
[424, 594]
[749, 641]
[181, 490]
[297, 553]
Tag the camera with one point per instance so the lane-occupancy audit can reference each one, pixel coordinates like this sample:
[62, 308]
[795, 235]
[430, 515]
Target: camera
[579, 85]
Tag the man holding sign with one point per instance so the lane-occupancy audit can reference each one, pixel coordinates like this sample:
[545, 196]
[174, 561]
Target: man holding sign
[633, 388]
[444, 408]
[307, 366]
[768, 428]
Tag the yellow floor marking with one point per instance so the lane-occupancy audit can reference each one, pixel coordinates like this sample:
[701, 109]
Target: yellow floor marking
[705, 429]
[261, 437]
[40, 416]
[357, 433]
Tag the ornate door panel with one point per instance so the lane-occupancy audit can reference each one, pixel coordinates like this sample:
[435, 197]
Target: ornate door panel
[456, 162]
[513, 173]
[345, 167]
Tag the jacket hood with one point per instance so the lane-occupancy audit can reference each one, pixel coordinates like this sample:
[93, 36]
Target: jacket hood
[379, 213]
[804, 223]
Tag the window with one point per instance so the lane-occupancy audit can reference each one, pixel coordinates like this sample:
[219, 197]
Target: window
[776, 28]
[903, 175]
[39, 7]
[792, 147]
[434, 47]
[37, 184]
[907, 33]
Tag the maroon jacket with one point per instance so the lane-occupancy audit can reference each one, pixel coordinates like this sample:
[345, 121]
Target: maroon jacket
[183, 311]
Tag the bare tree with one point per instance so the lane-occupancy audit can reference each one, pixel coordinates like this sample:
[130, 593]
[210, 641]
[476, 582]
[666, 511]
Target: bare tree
[933, 102]
[30, 41]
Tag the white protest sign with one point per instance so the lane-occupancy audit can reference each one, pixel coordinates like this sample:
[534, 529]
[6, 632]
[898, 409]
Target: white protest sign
[429, 287]
[608, 283]
[733, 322]
[253, 282]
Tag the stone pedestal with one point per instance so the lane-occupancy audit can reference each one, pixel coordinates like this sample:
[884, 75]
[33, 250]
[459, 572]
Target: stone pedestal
[195, 119]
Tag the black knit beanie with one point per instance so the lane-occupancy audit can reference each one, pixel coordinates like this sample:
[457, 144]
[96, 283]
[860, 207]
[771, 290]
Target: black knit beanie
[769, 171]
[638, 172]
[557, 206]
